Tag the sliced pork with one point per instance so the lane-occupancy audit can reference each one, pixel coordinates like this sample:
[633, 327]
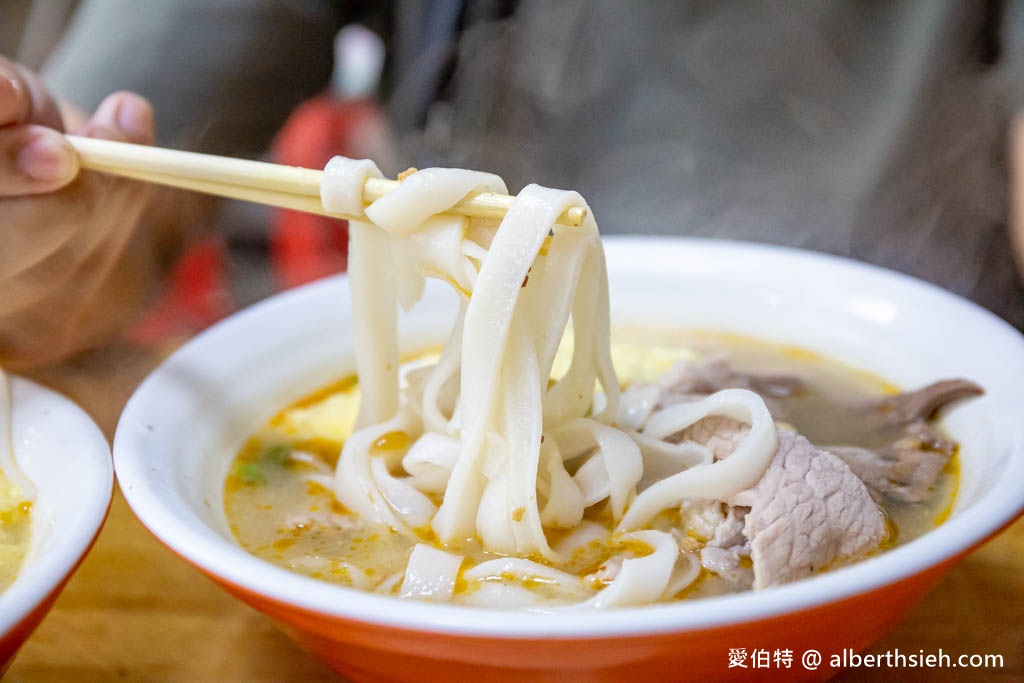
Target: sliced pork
[905, 469]
[922, 405]
[692, 380]
[809, 511]
[815, 507]
[906, 455]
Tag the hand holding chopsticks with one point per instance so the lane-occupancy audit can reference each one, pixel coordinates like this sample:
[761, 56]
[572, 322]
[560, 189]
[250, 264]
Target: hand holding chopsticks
[287, 187]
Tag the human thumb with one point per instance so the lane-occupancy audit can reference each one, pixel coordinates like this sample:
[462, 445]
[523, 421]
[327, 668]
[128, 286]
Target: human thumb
[34, 160]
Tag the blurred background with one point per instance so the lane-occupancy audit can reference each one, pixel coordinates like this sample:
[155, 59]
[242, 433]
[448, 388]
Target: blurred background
[876, 131]
[247, 251]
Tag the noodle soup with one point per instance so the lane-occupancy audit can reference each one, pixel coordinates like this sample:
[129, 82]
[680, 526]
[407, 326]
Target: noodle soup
[186, 433]
[281, 507]
[516, 470]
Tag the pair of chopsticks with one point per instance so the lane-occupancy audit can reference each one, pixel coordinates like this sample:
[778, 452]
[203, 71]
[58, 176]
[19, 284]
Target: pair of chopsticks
[288, 187]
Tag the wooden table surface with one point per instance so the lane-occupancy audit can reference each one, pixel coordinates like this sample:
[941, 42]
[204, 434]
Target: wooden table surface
[134, 611]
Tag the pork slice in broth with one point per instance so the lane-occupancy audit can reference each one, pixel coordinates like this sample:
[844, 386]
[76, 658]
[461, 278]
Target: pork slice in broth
[899, 454]
[807, 513]
[922, 405]
[693, 380]
[906, 468]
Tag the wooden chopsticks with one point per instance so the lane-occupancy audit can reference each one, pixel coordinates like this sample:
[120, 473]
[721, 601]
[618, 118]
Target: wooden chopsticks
[288, 187]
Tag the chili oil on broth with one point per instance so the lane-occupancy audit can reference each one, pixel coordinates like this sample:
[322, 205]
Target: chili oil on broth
[280, 506]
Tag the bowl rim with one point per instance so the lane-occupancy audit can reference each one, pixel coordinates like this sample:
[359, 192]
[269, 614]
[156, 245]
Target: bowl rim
[227, 562]
[40, 576]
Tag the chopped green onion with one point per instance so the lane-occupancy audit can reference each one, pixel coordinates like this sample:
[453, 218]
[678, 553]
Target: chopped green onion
[251, 475]
[277, 455]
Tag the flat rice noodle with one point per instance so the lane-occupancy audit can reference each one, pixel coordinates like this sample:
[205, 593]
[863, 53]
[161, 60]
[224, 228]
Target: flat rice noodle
[663, 459]
[434, 241]
[430, 574]
[413, 508]
[641, 580]
[495, 595]
[565, 501]
[375, 312]
[477, 419]
[686, 571]
[487, 327]
[636, 406]
[719, 480]
[523, 570]
[617, 454]
[428, 192]
[445, 371]
[354, 483]
[430, 461]
[585, 533]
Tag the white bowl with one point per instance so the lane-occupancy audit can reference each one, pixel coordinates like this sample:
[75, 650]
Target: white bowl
[67, 458]
[183, 426]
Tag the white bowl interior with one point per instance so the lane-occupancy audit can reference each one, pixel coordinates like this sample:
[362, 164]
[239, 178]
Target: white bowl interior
[67, 458]
[180, 431]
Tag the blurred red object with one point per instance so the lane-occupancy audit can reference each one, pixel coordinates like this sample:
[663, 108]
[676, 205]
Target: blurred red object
[305, 247]
[196, 296]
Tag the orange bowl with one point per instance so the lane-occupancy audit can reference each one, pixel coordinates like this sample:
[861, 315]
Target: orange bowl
[181, 429]
[67, 460]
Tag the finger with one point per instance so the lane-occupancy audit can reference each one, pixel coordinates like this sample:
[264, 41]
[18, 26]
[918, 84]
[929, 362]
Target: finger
[34, 160]
[24, 98]
[123, 116]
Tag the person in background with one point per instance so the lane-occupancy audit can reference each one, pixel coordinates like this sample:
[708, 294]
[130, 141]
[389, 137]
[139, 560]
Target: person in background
[875, 131]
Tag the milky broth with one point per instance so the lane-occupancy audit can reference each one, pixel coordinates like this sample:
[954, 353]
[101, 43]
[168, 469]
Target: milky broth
[280, 508]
